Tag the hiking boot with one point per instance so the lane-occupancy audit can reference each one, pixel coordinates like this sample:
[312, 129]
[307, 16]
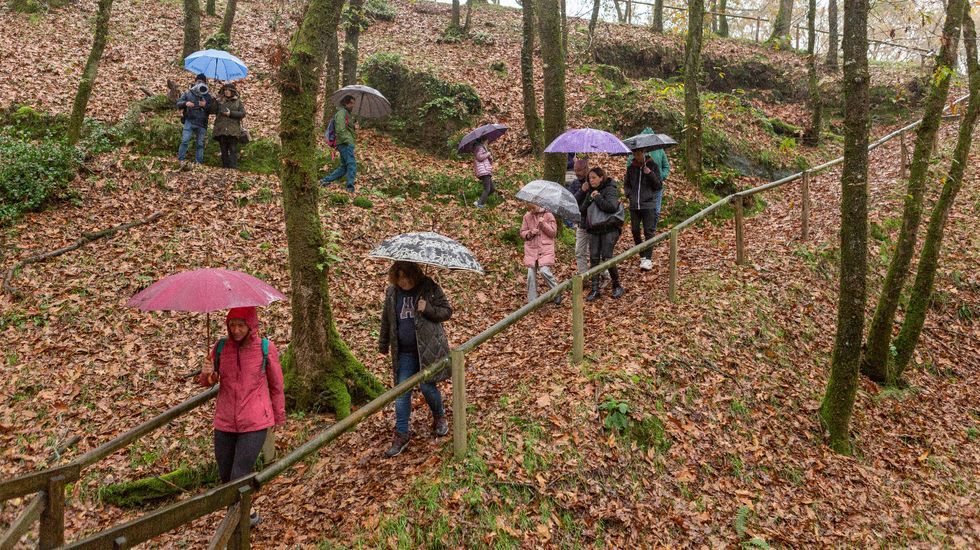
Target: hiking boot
[398, 445]
[254, 519]
[618, 291]
[594, 295]
[324, 182]
[558, 299]
[440, 426]
[477, 204]
[646, 264]
[350, 189]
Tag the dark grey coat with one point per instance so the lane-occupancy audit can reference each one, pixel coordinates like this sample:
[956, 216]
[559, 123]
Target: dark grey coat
[432, 341]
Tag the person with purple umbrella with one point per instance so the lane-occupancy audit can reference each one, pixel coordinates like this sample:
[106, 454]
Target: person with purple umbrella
[483, 168]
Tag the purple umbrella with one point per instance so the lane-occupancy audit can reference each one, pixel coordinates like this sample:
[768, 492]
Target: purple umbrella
[486, 133]
[587, 140]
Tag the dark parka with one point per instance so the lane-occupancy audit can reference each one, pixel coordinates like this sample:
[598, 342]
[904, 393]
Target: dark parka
[607, 201]
[198, 116]
[431, 337]
[641, 189]
[230, 124]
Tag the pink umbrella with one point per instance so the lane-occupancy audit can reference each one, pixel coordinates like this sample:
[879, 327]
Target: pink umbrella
[204, 291]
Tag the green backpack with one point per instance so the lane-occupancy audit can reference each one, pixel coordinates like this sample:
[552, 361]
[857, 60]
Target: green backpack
[221, 346]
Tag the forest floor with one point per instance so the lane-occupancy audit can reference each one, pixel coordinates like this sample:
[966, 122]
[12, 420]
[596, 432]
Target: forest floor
[721, 388]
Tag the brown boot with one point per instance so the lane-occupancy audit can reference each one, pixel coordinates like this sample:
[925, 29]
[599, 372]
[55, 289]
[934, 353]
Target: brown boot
[440, 426]
[398, 445]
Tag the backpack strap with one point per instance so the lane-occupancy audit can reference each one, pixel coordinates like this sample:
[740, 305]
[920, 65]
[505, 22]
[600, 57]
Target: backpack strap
[217, 353]
[265, 353]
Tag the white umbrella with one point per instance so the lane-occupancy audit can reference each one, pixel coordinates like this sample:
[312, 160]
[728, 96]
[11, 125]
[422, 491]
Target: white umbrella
[552, 197]
[368, 102]
[428, 248]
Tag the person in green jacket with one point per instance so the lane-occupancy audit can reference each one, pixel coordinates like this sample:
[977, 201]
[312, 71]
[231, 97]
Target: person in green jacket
[344, 129]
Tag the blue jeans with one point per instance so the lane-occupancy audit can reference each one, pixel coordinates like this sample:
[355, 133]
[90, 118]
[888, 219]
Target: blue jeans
[185, 138]
[347, 166]
[408, 365]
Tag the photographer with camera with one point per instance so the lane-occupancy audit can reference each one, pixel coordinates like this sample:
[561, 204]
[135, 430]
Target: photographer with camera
[197, 105]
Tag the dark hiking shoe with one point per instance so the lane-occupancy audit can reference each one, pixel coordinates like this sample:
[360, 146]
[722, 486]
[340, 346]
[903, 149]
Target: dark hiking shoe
[594, 295]
[440, 426]
[558, 299]
[254, 519]
[618, 291]
[398, 444]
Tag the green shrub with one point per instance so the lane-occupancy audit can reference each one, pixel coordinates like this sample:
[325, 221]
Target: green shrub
[338, 199]
[33, 174]
[499, 67]
[451, 35]
[483, 39]
[380, 10]
[260, 156]
[217, 41]
[363, 202]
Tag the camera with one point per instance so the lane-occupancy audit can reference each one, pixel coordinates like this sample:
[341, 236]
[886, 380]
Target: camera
[200, 88]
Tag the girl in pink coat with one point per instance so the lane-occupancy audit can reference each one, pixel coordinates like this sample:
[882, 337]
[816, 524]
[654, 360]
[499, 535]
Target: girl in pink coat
[483, 168]
[250, 399]
[538, 231]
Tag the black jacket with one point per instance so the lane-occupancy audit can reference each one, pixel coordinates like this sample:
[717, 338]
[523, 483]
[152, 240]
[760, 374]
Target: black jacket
[641, 189]
[197, 115]
[432, 341]
[607, 200]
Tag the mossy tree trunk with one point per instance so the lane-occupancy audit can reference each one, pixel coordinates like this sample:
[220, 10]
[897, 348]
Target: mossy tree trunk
[658, 15]
[832, 35]
[838, 401]
[549, 19]
[321, 371]
[469, 14]
[91, 71]
[812, 135]
[331, 72]
[455, 15]
[229, 18]
[209, 8]
[692, 98]
[532, 122]
[192, 27]
[915, 315]
[593, 20]
[875, 364]
[354, 23]
[781, 25]
[564, 28]
[723, 19]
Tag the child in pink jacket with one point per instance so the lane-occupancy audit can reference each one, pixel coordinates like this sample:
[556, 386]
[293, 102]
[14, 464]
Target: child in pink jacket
[538, 231]
[250, 400]
[483, 168]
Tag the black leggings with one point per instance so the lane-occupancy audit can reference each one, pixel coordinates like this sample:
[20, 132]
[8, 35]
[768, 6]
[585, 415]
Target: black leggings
[229, 151]
[601, 249]
[237, 452]
[488, 188]
[648, 219]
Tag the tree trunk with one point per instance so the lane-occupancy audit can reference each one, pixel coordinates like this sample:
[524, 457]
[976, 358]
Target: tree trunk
[594, 20]
[354, 21]
[658, 15]
[209, 8]
[90, 72]
[532, 122]
[620, 16]
[455, 22]
[321, 373]
[192, 27]
[915, 315]
[780, 26]
[229, 18]
[712, 20]
[553, 57]
[875, 364]
[469, 12]
[692, 99]
[832, 39]
[331, 73]
[812, 135]
[723, 19]
[564, 28]
[838, 401]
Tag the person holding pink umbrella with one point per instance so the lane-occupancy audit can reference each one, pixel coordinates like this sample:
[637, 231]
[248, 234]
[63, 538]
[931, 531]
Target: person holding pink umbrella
[250, 398]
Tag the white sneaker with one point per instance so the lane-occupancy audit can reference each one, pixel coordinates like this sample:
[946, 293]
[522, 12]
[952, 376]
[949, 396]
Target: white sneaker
[477, 204]
[646, 264]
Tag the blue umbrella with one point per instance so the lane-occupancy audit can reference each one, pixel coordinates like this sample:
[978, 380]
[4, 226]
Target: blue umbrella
[486, 133]
[216, 64]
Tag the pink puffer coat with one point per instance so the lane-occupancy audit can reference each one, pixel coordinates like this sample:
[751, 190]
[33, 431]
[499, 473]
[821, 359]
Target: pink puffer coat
[482, 164]
[248, 399]
[538, 231]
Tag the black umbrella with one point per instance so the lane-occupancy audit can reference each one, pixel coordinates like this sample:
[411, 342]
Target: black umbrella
[430, 249]
[649, 141]
[485, 133]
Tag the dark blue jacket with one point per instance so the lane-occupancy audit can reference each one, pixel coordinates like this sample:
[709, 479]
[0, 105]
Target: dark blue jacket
[197, 115]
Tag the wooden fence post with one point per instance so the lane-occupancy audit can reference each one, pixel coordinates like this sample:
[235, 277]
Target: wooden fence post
[903, 171]
[805, 222]
[578, 330]
[240, 539]
[797, 36]
[672, 279]
[52, 528]
[739, 232]
[757, 22]
[459, 402]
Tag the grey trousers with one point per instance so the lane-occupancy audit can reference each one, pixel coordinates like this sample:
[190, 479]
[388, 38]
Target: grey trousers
[582, 251]
[532, 280]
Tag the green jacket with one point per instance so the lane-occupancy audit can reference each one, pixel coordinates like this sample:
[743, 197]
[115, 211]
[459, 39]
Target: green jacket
[230, 124]
[345, 131]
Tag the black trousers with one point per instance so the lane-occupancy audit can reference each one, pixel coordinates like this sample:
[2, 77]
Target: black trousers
[236, 452]
[648, 219]
[488, 188]
[601, 249]
[229, 151]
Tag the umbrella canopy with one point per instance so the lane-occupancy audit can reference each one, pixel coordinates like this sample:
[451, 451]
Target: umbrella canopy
[552, 197]
[487, 133]
[205, 290]
[217, 64]
[586, 140]
[430, 249]
[649, 141]
[368, 102]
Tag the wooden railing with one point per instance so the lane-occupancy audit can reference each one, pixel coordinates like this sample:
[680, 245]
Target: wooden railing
[236, 496]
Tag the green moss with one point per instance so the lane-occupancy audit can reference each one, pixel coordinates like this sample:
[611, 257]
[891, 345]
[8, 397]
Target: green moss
[380, 10]
[260, 156]
[363, 202]
[135, 493]
[338, 199]
[649, 433]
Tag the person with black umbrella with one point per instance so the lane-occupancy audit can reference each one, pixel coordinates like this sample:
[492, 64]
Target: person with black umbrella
[642, 185]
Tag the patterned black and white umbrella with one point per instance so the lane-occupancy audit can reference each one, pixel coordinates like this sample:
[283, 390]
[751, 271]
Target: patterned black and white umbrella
[428, 248]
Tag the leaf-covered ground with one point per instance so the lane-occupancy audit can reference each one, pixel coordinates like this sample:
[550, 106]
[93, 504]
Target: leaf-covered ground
[724, 383]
